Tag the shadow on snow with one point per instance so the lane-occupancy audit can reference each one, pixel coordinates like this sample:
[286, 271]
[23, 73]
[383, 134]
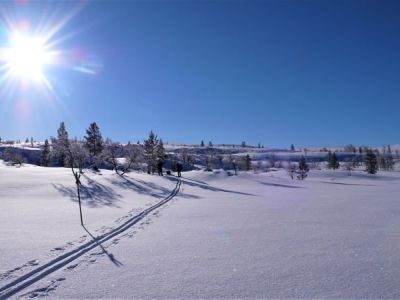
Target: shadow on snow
[94, 194]
[208, 187]
[280, 185]
[145, 187]
[109, 255]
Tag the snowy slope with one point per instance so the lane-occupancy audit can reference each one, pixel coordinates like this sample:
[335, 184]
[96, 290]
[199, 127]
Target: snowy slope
[247, 236]
[40, 215]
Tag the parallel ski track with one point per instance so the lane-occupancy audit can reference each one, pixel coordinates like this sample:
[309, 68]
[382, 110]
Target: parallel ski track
[57, 263]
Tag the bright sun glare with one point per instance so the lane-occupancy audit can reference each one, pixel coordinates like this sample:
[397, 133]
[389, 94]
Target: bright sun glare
[27, 56]
[32, 52]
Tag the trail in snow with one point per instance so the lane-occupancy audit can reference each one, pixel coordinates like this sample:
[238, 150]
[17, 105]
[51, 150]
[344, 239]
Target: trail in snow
[57, 263]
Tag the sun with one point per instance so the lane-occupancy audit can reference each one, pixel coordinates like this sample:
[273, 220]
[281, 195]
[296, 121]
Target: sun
[35, 55]
[27, 56]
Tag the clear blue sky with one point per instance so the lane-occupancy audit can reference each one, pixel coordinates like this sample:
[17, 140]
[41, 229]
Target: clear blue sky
[312, 73]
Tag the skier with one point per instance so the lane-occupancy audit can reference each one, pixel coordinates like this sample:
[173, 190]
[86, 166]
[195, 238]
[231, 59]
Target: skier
[160, 164]
[178, 169]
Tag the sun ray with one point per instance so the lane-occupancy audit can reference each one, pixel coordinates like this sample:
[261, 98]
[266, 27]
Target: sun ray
[67, 18]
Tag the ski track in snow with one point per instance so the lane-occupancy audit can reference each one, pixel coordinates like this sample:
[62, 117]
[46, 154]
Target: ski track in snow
[11, 273]
[86, 243]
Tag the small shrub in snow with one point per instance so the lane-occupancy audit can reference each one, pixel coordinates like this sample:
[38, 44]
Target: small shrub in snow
[349, 165]
[291, 169]
[11, 156]
[303, 168]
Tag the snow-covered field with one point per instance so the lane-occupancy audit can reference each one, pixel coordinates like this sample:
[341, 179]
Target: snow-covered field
[211, 236]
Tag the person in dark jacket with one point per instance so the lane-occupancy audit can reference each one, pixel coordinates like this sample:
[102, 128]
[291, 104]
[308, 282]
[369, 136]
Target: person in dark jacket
[179, 169]
[160, 164]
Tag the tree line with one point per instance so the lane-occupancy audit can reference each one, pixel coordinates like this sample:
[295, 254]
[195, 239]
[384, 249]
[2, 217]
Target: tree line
[95, 152]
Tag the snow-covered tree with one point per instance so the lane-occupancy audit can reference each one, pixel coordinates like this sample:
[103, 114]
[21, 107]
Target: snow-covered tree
[160, 150]
[78, 154]
[349, 165]
[272, 160]
[389, 159]
[385, 160]
[184, 155]
[132, 157]
[232, 160]
[291, 169]
[333, 162]
[45, 157]
[350, 148]
[371, 163]
[60, 145]
[94, 140]
[247, 160]
[110, 153]
[13, 156]
[150, 152]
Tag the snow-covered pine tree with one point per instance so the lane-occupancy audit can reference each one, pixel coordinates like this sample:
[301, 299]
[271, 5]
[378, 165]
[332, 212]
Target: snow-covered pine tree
[160, 150]
[60, 145]
[94, 140]
[389, 159]
[371, 162]
[303, 168]
[45, 157]
[150, 152]
[333, 162]
[329, 159]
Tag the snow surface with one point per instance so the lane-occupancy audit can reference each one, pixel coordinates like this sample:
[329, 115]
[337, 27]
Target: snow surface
[214, 236]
